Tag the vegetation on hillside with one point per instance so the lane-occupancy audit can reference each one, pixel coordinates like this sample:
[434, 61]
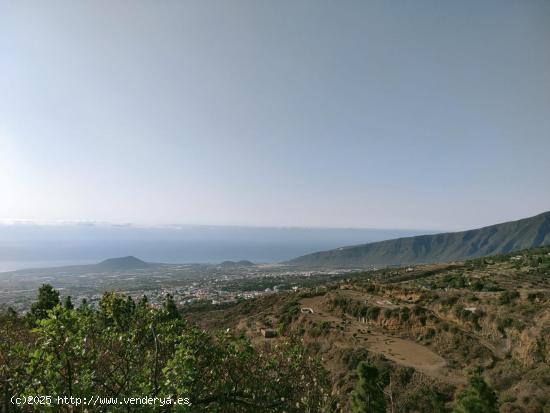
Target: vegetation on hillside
[495, 239]
[486, 318]
[483, 327]
[129, 349]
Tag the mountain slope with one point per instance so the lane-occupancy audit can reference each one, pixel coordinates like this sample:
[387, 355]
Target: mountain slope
[494, 239]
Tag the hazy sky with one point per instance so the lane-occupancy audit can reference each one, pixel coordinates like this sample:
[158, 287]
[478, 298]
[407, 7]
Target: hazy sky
[402, 114]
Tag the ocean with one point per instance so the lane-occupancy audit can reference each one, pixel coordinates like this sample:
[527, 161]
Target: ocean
[35, 246]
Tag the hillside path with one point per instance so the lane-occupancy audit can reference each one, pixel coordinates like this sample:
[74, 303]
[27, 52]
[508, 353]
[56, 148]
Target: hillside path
[404, 352]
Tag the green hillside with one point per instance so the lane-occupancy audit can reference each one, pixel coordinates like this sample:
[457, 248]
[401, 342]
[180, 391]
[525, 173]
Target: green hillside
[494, 239]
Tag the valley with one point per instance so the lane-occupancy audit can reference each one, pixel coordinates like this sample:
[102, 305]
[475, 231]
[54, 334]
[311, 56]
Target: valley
[426, 328]
[436, 324]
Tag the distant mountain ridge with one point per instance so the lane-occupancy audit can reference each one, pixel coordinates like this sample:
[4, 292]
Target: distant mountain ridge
[451, 246]
[123, 263]
[235, 264]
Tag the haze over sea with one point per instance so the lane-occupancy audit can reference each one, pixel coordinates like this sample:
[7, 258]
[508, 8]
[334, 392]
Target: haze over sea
[29, 245]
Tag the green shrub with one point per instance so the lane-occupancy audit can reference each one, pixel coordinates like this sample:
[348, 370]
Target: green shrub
[373, 313]
[508, 297]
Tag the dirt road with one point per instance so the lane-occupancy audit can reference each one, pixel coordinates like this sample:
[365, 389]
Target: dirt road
[401, 351]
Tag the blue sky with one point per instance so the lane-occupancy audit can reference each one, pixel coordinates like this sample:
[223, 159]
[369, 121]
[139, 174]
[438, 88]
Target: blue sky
[428, 114]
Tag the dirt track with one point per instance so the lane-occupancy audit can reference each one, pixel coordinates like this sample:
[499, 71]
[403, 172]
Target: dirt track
[401, 351]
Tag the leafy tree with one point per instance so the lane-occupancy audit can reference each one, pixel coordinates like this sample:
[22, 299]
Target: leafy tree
[228, 375]
[11, 313]
[123, 350]
[16, 342]
[63, 362]
[46, 300]
[477, 397]
[368, 396]
[68, 304]
[143, 301]
[170, 308]
[116, 310]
